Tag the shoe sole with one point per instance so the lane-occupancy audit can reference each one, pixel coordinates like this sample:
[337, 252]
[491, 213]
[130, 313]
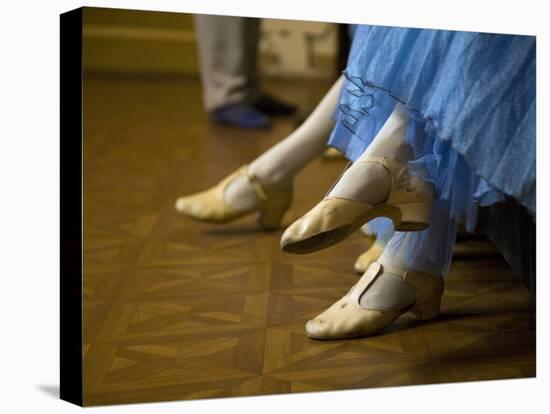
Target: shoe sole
[319, 241]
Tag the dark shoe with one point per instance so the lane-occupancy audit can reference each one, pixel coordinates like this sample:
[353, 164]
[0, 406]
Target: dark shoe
[270, 105]
[240, 115]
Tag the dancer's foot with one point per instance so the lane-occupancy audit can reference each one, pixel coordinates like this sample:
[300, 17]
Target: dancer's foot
[239, 194]
[372, 187]
[381, 296]
[369, 256]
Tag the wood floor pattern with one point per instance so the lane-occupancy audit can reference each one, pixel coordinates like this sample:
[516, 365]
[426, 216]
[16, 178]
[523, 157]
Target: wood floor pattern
[178, 310]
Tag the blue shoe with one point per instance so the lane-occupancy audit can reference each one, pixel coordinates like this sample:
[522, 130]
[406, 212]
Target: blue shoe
[240, 115]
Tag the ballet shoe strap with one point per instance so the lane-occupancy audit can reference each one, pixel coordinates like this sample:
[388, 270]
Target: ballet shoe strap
[408, 275]
[404, 184]
[430, 283]
[256, 184]
[393, 167]
[374, 270]
[395, 271]
[376, 160]
[391, 164]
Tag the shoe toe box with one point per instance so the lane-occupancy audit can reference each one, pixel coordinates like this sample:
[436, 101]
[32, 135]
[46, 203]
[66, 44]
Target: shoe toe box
[303, 236]
[317, 328]
[190, 206]
[182, 204]
[200, 207]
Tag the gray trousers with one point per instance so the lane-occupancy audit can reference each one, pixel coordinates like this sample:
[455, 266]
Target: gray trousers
[227, 48]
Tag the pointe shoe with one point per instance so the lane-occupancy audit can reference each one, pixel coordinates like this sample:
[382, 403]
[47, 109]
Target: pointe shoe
[333, 219]
[421, 294]
[369, 256]
[209, 206]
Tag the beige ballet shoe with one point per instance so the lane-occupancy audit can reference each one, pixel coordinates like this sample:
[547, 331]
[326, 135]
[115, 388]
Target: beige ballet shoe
[421, 294]
[334, 218]
[209, 206]
[369, 256]
[332, 153]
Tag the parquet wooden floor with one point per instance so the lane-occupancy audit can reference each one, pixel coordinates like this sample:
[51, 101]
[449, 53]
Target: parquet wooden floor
[176, 309]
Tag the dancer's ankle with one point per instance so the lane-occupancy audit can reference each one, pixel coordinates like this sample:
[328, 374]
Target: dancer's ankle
[365, 182]
[241, 195]
[277, 178]
[397, 262]
[398, 151]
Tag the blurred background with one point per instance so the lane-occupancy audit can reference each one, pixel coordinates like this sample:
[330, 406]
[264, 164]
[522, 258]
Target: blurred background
[138, 42]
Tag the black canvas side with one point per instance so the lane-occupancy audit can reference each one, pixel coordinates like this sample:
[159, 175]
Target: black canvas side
[71, 206]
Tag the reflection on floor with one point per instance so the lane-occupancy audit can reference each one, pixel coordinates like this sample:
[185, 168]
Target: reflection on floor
[176, 309]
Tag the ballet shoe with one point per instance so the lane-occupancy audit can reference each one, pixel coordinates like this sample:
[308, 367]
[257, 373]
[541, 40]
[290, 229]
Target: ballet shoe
[332, 153]
[334, 218]
[369, 256]
[210, 206]
[346, 318]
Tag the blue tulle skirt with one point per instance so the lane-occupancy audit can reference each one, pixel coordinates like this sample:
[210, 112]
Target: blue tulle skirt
[471, 103]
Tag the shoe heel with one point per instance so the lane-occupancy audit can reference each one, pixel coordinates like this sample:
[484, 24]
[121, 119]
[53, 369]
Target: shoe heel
[269, 217]
[414, 216]
[428, 310]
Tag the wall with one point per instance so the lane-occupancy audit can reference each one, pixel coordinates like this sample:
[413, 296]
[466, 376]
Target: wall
[145, 42]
